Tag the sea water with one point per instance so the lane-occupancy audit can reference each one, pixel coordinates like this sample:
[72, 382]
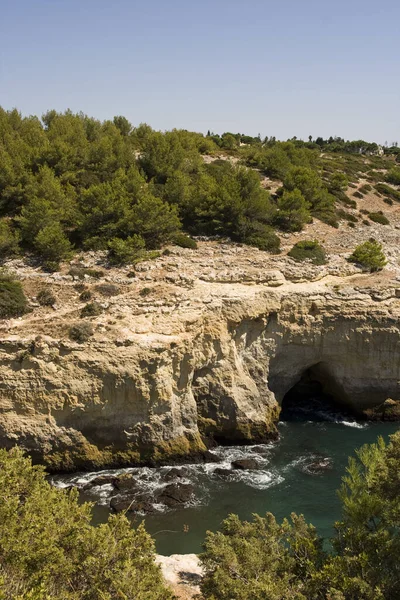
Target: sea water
[299, 473]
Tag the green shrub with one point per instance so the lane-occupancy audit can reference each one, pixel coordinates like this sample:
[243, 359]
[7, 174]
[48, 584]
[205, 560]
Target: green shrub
[263, 237]
[308, 250]
[342, 214]
[365, 222]
[386, 190]
[52, 245]
[393, 176]
[293, 211]
[50, 550]
[85, 295]
[128, 251]
[358, 195]
[108, 289]
[46, 298]
[388, 201]
[9, 240]
[184, 241]
[80, 272]
[93, 309]
[351, 224]
[81, 332]
[13, 302]
[365, 188]
[145, 291]
[378, 217]
[369, 255]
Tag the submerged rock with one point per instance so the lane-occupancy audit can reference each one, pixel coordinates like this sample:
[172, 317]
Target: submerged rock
[247, 464]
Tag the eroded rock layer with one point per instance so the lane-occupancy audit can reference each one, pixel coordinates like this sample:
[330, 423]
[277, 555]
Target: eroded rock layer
[191, 360]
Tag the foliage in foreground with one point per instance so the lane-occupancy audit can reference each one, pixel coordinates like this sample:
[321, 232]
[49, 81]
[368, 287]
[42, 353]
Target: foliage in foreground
[264, 560]
[50, 550]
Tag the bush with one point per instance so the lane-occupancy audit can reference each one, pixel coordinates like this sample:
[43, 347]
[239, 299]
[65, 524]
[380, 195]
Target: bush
[378, 217]
[80, 272]
[365, 222]
[50, 550]
[93, 309]
[52, 245]
[265, 239]
[358, 195]
[393, 176]
[184, 241]
[386, 190]
[46, 298]
[81, 332]
[13, 302]
[129, 251]
[308, 250]
[388, 201]
[145, 291]
[293, 211]
[108, 289]
[85, 295]
[8, 240]
[365, 188]
[369, 255]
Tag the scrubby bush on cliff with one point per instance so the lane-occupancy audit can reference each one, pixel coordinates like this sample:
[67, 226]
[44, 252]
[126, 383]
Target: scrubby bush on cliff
[308, 250]
[50, 549]
[369, 255]
[9, 240]
[81, 332]
[13, 302]
[264, 559]
[92, 309]
[184, 241]
[378, 217]
[129, 251]
[45, 297]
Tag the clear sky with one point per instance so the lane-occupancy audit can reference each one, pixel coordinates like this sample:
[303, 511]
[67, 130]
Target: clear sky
[275, 67]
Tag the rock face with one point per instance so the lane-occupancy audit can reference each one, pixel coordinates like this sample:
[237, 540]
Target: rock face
[212, 361]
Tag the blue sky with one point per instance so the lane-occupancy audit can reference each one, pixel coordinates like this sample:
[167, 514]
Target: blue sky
[281, 67]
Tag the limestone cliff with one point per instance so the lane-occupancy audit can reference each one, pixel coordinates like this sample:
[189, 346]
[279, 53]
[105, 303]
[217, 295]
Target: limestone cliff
[209, 350]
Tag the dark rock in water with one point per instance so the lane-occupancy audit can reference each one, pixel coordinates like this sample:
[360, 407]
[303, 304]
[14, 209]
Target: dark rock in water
[126, 502]
[125, 482]
[249, 464]
[210, 457]
[260, 449]
[100, 480]
[172, 474]
[317, 467]
[223, 473]
[176, 494]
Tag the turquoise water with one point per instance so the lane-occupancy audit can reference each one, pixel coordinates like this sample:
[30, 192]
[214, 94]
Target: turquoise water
[285, 483]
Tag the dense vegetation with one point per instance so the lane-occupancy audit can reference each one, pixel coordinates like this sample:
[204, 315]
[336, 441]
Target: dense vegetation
[50, 550]
[68, 182]
[263, 559]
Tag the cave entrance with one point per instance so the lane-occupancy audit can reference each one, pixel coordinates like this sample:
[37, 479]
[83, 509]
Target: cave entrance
[315, 397]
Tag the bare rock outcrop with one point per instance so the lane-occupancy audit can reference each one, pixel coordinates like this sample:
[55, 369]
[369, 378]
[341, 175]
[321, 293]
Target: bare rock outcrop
[199, 359]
